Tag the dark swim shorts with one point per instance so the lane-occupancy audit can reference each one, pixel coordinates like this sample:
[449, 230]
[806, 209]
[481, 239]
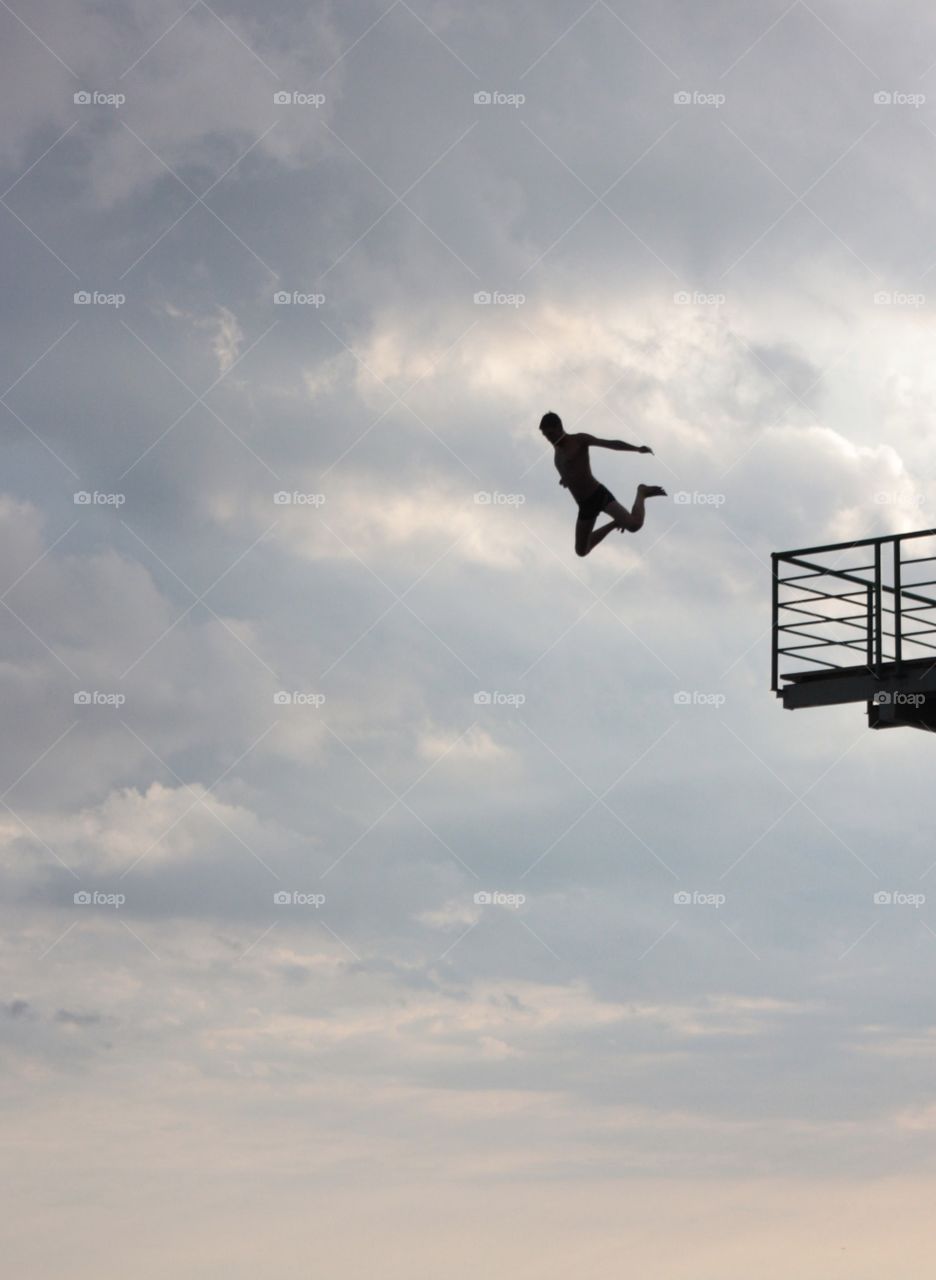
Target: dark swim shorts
[592, 507]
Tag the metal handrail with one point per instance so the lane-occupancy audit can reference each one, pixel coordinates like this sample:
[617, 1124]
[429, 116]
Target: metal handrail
[882, 604]
[858, 542]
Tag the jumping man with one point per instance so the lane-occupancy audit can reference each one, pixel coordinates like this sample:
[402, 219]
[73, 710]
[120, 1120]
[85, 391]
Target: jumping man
[575, 474]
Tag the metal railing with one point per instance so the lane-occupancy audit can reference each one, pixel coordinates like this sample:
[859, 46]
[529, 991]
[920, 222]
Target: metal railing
[870, 614]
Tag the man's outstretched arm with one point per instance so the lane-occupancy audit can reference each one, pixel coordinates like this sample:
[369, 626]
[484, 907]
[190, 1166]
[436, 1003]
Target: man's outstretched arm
[620, 445]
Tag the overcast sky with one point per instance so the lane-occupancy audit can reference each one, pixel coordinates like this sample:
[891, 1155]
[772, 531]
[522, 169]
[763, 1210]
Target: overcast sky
[291, 609]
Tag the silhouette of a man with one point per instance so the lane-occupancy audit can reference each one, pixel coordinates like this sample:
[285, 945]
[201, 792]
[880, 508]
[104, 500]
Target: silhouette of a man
[575, 474]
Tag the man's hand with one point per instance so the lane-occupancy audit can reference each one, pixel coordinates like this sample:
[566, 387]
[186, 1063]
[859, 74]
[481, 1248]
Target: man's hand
[645, 448]
[562, 484]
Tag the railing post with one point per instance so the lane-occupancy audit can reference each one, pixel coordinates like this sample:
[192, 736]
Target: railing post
[870, 607]
[878, 617]
[775, 626]
[898, 620]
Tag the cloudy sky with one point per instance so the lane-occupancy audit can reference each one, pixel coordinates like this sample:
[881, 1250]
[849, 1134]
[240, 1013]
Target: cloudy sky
[347, 818]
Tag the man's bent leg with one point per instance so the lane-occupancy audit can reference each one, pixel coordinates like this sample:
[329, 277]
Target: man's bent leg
[587, 536]
[583, 533]
[633, 520]
[622, 517]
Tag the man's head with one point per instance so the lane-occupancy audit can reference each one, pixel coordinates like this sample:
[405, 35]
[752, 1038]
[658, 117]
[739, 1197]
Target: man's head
[551, 427]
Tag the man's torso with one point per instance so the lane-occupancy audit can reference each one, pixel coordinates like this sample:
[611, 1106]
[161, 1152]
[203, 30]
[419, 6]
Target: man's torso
[573, 465]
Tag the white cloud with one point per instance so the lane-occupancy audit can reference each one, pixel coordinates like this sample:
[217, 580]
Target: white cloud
[628, 1045]
[143, 830]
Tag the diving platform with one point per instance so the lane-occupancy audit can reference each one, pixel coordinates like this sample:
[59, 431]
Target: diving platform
[856, 622]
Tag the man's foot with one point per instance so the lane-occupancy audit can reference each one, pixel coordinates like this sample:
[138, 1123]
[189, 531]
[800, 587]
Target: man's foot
[652, 491]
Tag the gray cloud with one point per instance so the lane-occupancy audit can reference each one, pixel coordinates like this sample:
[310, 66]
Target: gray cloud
[661, 280]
